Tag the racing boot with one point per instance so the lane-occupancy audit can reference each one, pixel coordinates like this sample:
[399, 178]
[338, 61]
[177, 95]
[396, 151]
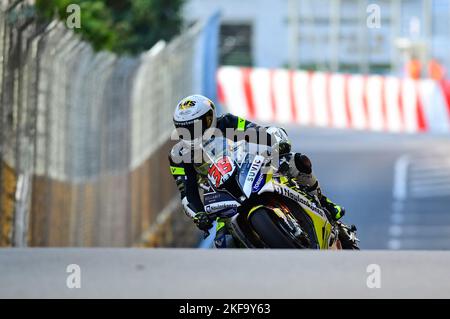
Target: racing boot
[347, 236]
[223, 238]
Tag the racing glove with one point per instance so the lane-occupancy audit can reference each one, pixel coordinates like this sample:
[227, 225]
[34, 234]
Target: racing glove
[201, 219]
[281, 143]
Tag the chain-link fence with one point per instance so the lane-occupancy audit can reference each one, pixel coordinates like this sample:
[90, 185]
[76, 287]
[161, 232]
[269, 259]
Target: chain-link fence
[85, 136]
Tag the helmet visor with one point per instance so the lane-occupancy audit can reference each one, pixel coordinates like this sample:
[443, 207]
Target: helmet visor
[193, 130]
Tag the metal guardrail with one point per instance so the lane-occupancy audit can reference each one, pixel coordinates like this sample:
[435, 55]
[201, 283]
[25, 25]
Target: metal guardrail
[86, 131]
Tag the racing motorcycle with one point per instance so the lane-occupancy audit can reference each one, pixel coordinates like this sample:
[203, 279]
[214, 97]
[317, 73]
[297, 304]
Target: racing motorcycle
[260, 206]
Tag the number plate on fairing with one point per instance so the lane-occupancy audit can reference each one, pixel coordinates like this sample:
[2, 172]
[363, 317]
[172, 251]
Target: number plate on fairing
[221, 171]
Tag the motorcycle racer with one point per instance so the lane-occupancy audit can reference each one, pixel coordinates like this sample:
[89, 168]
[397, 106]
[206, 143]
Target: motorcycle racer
[195, 120]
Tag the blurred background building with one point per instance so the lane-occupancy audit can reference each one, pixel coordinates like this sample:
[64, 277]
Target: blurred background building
[358, 36]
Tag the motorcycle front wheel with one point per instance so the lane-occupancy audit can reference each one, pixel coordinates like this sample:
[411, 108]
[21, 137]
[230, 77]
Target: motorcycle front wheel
[268, 231]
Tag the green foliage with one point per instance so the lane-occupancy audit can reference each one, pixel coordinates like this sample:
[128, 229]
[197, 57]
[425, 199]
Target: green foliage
[126, 26]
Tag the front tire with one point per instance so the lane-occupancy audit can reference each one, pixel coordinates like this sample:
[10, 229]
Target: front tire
[267, 230]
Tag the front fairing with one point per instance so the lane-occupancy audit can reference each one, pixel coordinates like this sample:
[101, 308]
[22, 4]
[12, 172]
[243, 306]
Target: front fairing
[247, 176]
[250, 176]
[220, 203]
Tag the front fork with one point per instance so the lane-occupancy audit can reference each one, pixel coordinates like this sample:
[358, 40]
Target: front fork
[294, 228]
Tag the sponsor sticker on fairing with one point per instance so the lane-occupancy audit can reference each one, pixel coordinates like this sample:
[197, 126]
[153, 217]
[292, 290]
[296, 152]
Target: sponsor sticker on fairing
[258, 184]
[252, 174]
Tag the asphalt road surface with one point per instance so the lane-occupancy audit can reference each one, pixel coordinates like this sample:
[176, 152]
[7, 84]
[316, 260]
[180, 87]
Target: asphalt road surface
[199, 273]
[395, 188]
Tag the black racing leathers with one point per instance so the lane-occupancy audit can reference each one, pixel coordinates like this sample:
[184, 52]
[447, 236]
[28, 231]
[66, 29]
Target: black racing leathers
[185, 172]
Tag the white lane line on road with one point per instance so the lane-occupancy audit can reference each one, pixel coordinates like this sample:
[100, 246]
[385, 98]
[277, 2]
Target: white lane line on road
[430, 176]
[399, 193]
[397, 218]
[394, 244]
[401, 178]
[414, 223]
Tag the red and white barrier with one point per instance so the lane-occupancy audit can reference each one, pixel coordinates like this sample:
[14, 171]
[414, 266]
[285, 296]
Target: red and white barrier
[336, 100]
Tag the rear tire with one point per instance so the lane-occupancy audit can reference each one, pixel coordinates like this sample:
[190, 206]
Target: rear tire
[268, 231]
